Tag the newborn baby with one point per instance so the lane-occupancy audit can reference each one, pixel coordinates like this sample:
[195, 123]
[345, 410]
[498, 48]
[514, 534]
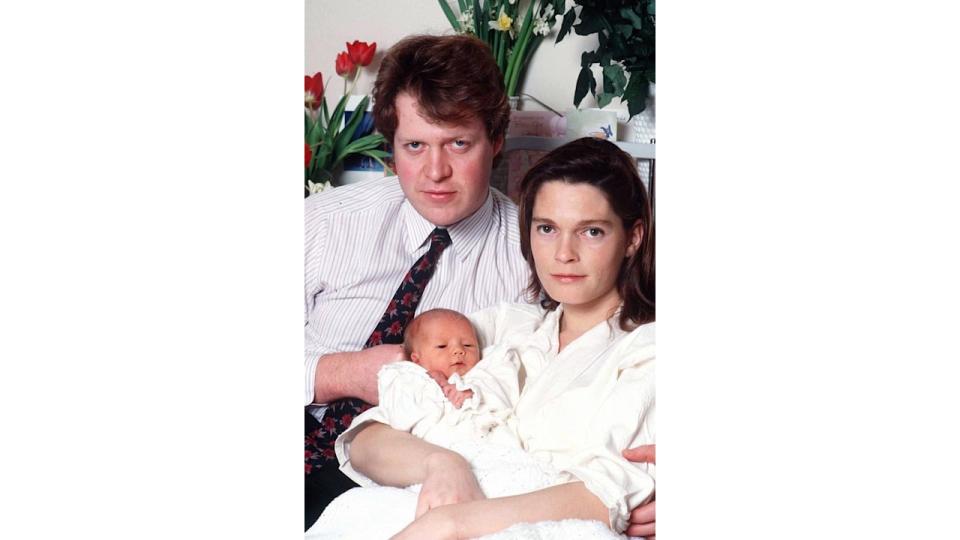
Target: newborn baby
[446, 393]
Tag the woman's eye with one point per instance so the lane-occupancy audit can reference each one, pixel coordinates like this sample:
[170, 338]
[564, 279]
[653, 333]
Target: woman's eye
[594, 232]
[545, 229]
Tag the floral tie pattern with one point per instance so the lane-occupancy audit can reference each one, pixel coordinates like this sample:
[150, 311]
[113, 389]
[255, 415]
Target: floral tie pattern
[340, 414]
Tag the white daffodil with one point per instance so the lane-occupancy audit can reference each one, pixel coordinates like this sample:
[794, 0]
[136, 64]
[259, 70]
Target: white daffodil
[503, 23]
[542, 25]
[318, 187]
[466, 21]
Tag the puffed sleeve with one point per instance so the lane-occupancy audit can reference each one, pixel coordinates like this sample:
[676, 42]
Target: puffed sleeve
[625, 419]
[410, 401]
[495, 380]
[505, 323]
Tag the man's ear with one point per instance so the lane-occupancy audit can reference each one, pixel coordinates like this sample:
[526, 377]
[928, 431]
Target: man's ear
[635, 238]
[498, 145]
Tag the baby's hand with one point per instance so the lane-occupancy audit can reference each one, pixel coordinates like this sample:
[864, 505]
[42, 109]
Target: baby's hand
[456, 397]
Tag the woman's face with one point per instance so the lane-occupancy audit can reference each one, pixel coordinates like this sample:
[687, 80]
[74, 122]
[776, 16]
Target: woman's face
[578, 244]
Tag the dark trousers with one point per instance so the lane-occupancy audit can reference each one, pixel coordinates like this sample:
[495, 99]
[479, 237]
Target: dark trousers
[323, 484]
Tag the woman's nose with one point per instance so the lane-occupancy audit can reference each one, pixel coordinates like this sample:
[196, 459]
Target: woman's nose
[566, 250]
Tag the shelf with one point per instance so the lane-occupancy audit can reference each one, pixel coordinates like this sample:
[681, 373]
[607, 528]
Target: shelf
[637, 150]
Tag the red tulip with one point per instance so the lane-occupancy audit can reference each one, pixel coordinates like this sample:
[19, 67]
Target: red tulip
[345, 66]
[313, 90]
[306, 147]
[361, 52]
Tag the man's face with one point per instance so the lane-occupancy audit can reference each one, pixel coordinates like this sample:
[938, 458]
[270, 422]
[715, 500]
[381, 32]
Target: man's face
[446, 344]
[444, 169]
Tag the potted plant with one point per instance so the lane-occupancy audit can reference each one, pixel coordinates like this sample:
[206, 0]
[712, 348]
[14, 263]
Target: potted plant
[512, 35]
[328, 138]
[626, 30]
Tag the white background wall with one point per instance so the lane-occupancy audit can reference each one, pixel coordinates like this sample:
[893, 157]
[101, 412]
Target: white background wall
[551, 74]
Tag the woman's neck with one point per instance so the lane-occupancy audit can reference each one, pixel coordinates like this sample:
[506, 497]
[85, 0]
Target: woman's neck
[577, 319]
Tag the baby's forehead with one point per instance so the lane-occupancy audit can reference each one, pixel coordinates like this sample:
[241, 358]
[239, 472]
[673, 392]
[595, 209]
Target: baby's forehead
[442, 320]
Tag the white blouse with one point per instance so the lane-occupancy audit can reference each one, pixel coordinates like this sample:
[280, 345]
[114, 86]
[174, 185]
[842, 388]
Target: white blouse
[580, 407]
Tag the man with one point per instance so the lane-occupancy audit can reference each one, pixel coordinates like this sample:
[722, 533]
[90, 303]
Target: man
[435, 236]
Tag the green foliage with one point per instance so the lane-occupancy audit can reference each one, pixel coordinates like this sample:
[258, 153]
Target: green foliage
[626, 31]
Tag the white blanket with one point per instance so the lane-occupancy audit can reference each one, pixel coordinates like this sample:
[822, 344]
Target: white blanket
[377, 513]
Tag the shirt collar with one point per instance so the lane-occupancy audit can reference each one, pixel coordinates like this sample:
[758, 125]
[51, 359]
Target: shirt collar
[466, 235]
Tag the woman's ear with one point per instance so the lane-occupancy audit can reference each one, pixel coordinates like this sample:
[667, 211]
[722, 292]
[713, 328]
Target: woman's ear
[634, 239]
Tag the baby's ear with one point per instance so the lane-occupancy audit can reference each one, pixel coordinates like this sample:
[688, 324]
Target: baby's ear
[415, 358]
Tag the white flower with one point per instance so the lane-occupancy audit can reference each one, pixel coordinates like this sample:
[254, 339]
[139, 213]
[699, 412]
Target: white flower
[503, 23]
[318, 187]
[542, 25]
[466, 21]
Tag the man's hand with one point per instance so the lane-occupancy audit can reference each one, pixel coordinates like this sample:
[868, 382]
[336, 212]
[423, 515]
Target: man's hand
[643, 519]
[449, 480]
[353, 374]
[456, 397]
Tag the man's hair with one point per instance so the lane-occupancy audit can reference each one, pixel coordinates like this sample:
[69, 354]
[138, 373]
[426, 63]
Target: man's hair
[603, 165]
[453, 78]
[414, 325]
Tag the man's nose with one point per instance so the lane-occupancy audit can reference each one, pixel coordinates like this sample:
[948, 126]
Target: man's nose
[438, 167]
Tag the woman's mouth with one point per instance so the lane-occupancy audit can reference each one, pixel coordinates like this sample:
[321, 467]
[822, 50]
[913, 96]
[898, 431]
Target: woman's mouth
[567, 278]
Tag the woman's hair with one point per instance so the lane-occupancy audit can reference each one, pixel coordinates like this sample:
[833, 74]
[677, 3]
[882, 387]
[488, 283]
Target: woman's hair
[453, 78]
[601, 164]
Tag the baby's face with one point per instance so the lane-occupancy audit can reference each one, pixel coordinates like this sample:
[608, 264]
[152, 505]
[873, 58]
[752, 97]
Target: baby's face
[446, 344]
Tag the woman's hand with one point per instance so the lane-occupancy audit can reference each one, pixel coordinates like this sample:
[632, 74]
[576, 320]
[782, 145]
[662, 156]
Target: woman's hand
[437, 524]
[449, 480]
[643, 519]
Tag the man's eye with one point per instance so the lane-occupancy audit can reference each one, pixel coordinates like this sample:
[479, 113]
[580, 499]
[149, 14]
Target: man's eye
[460, 143]
[413, 145]
[594, 232]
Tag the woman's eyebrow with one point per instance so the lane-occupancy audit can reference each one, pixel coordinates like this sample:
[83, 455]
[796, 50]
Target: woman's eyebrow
[578, 224]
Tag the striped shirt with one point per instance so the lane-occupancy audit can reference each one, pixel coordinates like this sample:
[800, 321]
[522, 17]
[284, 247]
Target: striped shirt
[360, 241]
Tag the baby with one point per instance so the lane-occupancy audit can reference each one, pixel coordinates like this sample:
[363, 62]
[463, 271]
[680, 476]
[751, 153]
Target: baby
[446, 395]
[446, 392]
[443, 342]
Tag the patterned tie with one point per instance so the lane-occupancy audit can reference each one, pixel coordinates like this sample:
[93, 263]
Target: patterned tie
[399, 313]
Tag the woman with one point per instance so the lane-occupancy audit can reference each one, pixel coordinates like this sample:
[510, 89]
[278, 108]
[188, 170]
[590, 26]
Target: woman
[587, 386]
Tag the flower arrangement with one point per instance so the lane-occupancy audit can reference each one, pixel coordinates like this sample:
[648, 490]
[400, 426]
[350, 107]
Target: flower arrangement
[512, 36]
[627, 34]
[328, 139]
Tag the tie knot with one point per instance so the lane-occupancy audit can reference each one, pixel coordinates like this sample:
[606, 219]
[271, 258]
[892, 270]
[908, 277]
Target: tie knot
[439, 239]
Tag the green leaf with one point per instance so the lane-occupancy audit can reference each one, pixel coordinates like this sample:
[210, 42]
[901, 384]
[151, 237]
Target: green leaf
[589, 57]
[348, 130]
[368, 142]
[624, 30]
[604, 99]
[630, 15]
[454, 23]
[636, 93]
[591, 22]
[568, 19]
[614, 81]
[584, 82]
[376, 154]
